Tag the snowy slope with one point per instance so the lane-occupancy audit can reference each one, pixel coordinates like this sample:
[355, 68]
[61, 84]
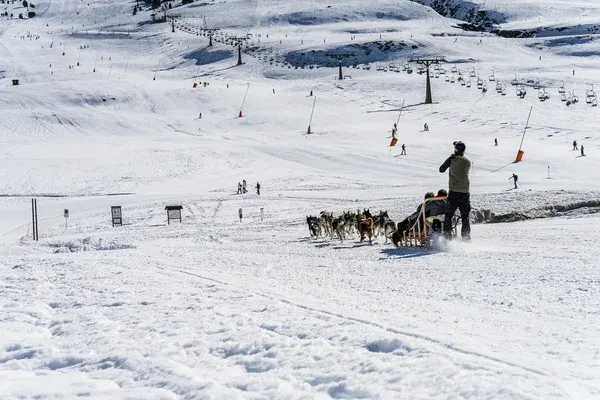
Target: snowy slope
[218, 309]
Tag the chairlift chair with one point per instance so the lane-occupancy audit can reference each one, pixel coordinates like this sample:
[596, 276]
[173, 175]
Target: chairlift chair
[536, 84]
[498, 86]
[468, 84]
[595, 102]
[473, 74]
[492, 77]
[563, 97]
[462, 82]
[437, 75]
[454, 69]
[590, 92]
[515, 81]
[447, 78]
[575, 98]
[452, 79]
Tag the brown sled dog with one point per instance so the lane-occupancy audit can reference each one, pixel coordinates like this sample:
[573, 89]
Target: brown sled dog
[364, 225]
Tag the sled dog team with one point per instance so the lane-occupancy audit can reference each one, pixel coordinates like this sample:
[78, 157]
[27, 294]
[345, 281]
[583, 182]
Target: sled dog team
[439, 210]
[345, 226]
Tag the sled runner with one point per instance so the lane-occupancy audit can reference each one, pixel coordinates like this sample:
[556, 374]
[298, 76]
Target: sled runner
[420, 234]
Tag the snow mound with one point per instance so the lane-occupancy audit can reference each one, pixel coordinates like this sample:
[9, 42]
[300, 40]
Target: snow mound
[88, 244]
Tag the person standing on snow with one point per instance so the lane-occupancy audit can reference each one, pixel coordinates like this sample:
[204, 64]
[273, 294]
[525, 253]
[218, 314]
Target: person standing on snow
[575, 145]
[244, 186]
[240, 214]
[239, 188]
[403, 153]
[515, 178]
[258, 188]
[459, 195]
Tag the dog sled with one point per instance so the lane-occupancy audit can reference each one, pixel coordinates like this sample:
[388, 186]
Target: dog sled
[421, 233]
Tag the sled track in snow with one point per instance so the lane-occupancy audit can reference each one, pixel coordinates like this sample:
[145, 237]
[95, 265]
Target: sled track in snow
[425, 338]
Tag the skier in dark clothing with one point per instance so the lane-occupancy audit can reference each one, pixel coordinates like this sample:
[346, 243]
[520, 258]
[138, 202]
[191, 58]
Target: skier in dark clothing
[403, 153]
[582, 152]
[495, 142]
[515, 178]
[239, 188]
[244, 186]
[575, 145]
[459, 184]
[258, 188]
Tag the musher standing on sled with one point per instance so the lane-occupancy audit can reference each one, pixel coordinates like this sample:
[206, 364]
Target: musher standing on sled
[459, 185]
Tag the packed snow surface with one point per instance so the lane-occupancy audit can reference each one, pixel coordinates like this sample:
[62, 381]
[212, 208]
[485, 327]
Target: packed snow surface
[106, 114]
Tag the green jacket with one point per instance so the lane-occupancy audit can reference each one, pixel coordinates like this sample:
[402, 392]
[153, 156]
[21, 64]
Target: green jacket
[459, 172]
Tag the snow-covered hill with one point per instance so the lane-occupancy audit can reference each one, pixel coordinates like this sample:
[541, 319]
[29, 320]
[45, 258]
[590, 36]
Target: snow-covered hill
[106, 113]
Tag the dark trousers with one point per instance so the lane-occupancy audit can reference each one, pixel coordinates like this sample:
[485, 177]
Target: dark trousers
[461, 201]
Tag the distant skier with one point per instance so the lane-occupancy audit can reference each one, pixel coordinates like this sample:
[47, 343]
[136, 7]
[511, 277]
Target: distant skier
[495, 142]
[240, 214]
[393, 133]
[426, 127]
[575, 145]
[239, 188]
[244, 186]
[273, 90]
[258, 188]
[200, 116]
[311, 93]
[459, 184]
[515, 178]
[582, 152]
[403, 153]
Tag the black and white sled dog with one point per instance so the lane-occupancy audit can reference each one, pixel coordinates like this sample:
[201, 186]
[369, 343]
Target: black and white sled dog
[383, 225]
[314, 226]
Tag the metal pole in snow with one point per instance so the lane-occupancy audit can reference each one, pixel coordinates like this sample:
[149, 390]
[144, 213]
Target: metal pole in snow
[311, 115]
[399, 114]
[156, 70]
[526, 126]
[244, 101]
[126, 65]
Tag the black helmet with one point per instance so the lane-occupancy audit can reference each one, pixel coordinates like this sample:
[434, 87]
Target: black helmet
[460, 146]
